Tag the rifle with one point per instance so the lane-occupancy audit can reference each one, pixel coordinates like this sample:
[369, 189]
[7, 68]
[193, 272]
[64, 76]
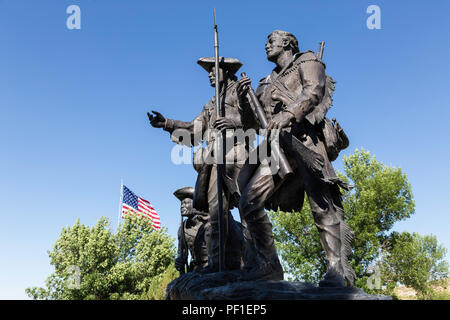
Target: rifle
[184, 252]
[309, 158]
[285, 168]
[219, 153]
[320, 50]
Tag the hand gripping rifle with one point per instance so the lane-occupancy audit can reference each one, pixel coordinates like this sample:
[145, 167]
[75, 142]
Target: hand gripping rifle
[311, 159]
[285, 168]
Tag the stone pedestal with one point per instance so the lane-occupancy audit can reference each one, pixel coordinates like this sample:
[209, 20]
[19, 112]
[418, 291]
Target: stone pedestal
[228, 286]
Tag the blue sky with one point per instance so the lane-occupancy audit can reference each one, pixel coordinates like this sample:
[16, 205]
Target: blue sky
[73, 104]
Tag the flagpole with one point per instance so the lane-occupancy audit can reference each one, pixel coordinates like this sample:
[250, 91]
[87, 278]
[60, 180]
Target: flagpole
[120, 203]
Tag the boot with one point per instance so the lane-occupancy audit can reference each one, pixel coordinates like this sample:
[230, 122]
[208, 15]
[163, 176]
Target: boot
[213, 244]
[333, 277]
[213, 257]
[266, 264]
[213, 252]
[339, 272]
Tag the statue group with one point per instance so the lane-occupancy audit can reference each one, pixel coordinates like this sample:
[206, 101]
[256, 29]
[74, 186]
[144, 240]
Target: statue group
[290, 105]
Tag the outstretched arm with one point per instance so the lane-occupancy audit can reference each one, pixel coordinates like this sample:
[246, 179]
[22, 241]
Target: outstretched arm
[157, 120]
[193, 129]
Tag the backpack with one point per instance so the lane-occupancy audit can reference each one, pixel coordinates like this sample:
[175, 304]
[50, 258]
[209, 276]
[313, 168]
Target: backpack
[334, 137]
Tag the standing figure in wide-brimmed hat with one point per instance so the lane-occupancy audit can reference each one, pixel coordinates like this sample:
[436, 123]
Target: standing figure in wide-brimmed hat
[204, 128]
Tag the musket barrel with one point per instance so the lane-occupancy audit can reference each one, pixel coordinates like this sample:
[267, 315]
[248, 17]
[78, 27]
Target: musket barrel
[320, 51]
[219, 143]
[216, 55]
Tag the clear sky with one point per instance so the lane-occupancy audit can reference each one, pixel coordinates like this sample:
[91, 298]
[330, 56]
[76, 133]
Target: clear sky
[73, 104]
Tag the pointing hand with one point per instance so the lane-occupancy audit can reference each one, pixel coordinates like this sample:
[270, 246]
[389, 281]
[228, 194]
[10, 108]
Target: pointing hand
[157, 120]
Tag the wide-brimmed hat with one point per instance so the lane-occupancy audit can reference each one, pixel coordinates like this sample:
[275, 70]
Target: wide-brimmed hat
[183, 193]
[230, 64]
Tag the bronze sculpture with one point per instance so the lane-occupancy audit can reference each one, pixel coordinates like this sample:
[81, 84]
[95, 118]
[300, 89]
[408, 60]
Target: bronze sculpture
[205, 127]
[291, 103]
[193, 237]
[296, 96]
[191, 234]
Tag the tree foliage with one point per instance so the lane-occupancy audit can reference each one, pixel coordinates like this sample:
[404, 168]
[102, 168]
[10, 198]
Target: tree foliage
[94, 263]
[381, 196]
[415, 261]
[297, 241]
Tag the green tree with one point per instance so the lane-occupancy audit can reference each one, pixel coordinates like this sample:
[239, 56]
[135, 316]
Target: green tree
[415, 261]
[94, 263]
[381, 196]
[298, 244]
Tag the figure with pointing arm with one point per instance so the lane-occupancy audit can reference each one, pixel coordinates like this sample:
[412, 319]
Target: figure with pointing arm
[205, 128]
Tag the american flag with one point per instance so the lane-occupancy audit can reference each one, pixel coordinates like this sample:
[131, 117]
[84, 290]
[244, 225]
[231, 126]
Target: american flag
[132, 204]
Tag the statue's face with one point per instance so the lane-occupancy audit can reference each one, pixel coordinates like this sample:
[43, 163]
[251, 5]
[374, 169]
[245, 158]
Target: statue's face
[274, 46]
[212, 76]
[186, 207]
